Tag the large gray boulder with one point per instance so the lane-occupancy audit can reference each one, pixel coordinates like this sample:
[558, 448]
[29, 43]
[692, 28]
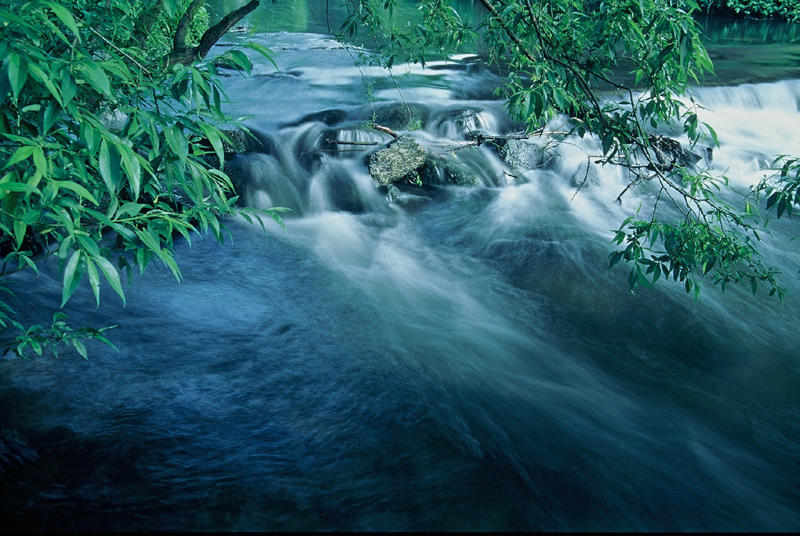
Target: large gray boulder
[399, 158]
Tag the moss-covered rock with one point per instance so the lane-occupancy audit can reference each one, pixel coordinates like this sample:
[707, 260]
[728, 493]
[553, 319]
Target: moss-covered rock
[396, 160]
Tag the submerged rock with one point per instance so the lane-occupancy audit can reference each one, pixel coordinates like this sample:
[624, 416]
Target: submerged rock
[461, 123]
[410, 198]
[396, 160]
[349, 142]
[440, 171]
[14, 453]
[330, 117]
[392, 193]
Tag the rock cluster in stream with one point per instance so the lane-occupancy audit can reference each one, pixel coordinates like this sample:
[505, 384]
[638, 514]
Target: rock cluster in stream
[405, 160]
[402, 167]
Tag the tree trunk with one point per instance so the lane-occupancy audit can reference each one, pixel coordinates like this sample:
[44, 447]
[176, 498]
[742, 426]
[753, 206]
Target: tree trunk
[186, 55]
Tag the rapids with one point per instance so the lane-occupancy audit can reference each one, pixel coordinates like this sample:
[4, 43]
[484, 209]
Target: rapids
[460, 358]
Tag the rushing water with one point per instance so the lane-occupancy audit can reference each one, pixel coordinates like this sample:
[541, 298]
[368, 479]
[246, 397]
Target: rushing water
[459, 358]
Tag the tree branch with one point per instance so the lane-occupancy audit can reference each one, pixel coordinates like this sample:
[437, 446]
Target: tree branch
[387, 130]
[187, 55]
[179, 41]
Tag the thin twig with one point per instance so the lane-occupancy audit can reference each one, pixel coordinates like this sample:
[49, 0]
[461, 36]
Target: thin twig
[338, 142]
[585, 177]
[101, 36]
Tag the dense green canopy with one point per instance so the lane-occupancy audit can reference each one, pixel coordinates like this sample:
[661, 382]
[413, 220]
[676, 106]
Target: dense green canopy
[105, 143]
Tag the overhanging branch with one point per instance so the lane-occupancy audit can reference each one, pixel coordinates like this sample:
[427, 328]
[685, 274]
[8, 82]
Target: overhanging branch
[186, 55]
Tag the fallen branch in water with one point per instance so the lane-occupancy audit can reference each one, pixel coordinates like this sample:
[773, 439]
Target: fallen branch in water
[338, 142]
[387, 130]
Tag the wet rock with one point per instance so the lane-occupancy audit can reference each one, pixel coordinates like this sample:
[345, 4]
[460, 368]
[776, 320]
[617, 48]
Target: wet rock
[329, 117]
[585, 175]
[396, 160]
[236, 142]
[410, 198]
[342, 193]
[524, 154]
[670, 153]
[397, 115]
[113, 119]
[461, 123]
[392, 193]
[438, 171]
[250, 140]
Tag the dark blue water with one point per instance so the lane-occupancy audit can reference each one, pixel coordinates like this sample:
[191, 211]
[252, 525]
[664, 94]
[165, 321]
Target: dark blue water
[459, 359]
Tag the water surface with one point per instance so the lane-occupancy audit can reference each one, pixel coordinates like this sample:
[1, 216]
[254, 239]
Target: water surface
[458, 359]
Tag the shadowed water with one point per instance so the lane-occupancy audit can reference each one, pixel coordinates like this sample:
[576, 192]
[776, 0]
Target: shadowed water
[459, 358]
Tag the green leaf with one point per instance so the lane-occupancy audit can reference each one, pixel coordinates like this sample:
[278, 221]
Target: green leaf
[68, 88]
[172, 265]
[264, 51]
[88, 245]
[65, 17]
[713, 133]
[96, 77]
[72, 276]
[6, 187]
[133, 170]
[80, 348]
[213, 136]
[30, 263]
[49, 116]
[40, 161]
[109, 163]
[150, 241]
[78, 189]
[19, 231]
[781, 206]
[171, 6]
[17, 73]
[177, 142]
[614, 258]
[94, 280]
[112, 276]
[19, 155]
[45, 79]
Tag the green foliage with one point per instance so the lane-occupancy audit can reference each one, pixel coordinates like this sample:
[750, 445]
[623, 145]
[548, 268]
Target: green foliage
[104, 149]
[788, 10]
[566, 57]
[782, 190]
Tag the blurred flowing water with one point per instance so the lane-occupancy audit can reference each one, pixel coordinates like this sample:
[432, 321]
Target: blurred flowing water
[457, 359]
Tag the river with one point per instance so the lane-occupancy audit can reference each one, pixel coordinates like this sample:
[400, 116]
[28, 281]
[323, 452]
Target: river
[458, 359]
